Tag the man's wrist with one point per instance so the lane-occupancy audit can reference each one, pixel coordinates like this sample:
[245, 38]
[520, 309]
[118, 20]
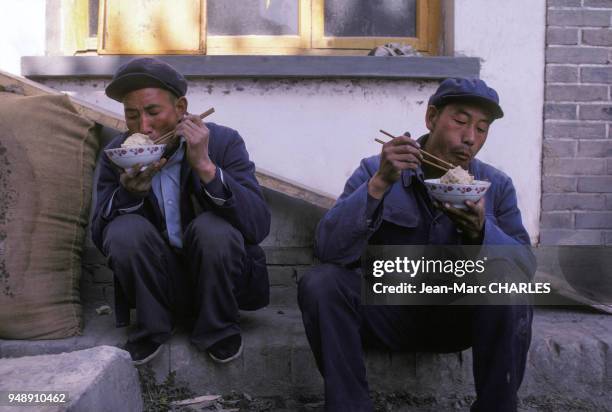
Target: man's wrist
[206, 171]
[473, 238]
[377, 187]
[140, 194]
[125, 198]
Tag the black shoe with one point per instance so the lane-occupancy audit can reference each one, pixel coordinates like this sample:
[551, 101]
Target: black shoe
[143, 351]
[226, 349]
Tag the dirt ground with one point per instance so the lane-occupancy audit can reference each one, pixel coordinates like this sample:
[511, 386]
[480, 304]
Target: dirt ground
[159, 396]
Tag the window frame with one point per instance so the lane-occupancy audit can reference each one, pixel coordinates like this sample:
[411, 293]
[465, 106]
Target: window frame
[427, 15]
[103, 48]
[261, 44]
[75, 32]
[310, 41]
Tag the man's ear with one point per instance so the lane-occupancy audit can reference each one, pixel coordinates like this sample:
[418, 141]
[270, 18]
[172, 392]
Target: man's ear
[181, 105]
[431, 117]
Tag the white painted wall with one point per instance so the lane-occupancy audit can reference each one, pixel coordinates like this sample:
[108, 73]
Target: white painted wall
[316, 131]
[509, 37]
[22, 32]
[311, 131]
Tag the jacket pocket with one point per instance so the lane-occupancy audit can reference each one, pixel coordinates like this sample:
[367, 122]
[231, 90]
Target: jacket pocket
[401, 217]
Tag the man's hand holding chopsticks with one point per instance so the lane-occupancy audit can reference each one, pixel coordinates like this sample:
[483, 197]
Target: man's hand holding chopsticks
[397, 155]
[197, 135]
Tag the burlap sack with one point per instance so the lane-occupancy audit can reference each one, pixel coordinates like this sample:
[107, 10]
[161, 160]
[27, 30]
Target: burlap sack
[47, 158]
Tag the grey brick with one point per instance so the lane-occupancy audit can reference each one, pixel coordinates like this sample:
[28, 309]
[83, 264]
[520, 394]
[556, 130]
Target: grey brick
[569, 54]
[560, 111]
[609, 201]
[609, 170]
[595, 184]
[281, 275]
[559, 148]
[559, 184]
[595, 148]
[596, 75]
[602, 220]
[565, 166]
[570, 237]
[573, 201]
[557, 220]
[594, 37]
[578, 130]
[608, 238]
[597, 3]
[561, 36]
[596, 112]
[563, 3]
[288, 255]
[576, 93]
[561, 74]
[578, 17]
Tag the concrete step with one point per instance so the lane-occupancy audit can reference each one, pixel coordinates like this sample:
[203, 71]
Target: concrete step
[570, 361]
[97, 379]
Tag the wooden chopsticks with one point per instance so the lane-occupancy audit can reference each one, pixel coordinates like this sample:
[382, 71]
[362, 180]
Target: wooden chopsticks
[446, 164]
[165, 137]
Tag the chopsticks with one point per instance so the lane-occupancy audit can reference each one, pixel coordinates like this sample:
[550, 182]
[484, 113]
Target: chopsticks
[165, 137]
[446, 164]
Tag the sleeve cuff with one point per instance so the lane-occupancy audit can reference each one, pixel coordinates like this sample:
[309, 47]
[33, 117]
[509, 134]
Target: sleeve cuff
[216, 189]
[371, 209]
[124, 202]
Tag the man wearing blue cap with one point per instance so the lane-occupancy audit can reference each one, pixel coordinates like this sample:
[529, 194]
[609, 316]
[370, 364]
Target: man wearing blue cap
[181, 235]
[385, 202]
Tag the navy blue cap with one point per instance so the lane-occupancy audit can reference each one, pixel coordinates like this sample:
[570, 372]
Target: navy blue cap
[145, 72]
[474, 90]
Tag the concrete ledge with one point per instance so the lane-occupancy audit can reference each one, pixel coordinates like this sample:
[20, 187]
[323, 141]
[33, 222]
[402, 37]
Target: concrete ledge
[97, 379]
[569, 362]
[264, 66]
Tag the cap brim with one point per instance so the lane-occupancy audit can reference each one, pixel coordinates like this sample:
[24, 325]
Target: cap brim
[122, 85]
[494, 108]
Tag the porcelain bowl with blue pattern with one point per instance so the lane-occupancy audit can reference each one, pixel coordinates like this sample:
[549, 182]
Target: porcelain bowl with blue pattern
[456, 194]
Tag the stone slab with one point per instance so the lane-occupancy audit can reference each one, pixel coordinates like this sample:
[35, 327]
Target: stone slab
[97, 379]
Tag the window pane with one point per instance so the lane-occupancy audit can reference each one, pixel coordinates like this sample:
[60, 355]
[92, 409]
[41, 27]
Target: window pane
[93, 17]
[370, 18]
[259, 17]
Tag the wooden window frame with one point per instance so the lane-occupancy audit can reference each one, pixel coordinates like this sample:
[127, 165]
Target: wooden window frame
[75, 32]
[427, 31]
[258, 44]
[310, 41]
[104, 49]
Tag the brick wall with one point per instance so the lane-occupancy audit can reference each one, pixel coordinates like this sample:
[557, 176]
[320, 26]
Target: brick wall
[577, 161]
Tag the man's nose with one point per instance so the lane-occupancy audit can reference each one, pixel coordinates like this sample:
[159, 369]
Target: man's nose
[145, 125]
[469, 136]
